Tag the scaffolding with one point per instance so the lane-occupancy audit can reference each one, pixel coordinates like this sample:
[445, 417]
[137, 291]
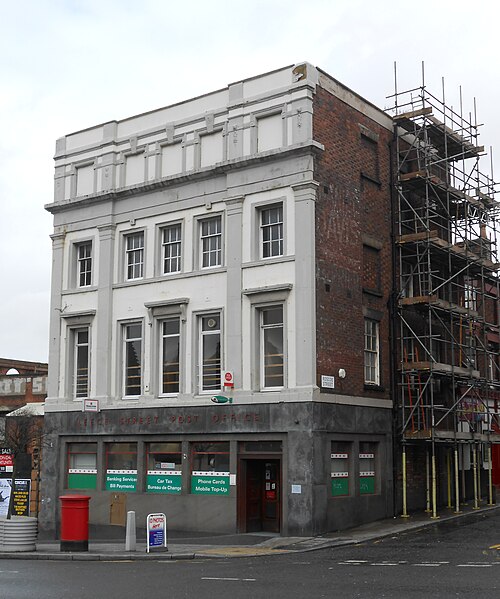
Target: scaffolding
[446, 302]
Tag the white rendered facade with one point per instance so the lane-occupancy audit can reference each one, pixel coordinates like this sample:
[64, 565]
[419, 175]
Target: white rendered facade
[229, 156]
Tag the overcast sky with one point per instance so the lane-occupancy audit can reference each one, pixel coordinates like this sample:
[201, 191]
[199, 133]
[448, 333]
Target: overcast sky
[69, 64]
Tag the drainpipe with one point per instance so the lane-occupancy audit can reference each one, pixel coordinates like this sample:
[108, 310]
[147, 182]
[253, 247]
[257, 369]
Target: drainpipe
[392, 341]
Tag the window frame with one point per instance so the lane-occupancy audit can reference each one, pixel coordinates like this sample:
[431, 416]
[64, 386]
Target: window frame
[158, 312]
[369, 451]
[200, 317]
[262, 340]
[371, 352]
[258, 208]
[280, 224]
[217, 448]
[258, 298]
[162, 337]
[75, 346]
[200, 240]
[163, 247]
[76, 321]
[89, 472]
[341, 455]
[127, 252]
[81, 261]
[123, 372]
[131, 473]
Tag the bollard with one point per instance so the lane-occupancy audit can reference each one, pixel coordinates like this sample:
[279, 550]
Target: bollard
[130, 535]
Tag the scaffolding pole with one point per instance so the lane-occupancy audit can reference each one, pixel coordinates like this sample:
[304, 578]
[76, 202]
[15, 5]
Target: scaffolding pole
[447, 292]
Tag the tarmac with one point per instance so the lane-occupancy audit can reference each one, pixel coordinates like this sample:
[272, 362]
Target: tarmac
[108, 543]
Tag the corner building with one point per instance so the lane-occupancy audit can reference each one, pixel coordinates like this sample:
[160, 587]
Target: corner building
[244, 233]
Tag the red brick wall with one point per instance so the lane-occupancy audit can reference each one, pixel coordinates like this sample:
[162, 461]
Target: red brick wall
[353, 203]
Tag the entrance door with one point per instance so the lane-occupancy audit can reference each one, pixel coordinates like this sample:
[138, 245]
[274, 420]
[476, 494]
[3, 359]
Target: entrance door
[262, 495]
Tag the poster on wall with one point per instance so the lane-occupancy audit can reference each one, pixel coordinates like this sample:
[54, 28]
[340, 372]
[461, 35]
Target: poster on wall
[5, 489]
[210, 483]
[22, 492]
[6, 460]
[161, 481]
[121, 480]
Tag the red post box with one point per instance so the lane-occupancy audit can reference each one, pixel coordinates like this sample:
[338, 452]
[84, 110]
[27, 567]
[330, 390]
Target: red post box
[74, 522]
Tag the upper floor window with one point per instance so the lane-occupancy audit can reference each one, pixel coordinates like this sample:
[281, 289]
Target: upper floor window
[134, 256]
[84, 264]
[271, 231]
[171, 249]
[81, 363]
[211, 242]
[132, 359]
[169, 356]
[210, 353]
[372, 354]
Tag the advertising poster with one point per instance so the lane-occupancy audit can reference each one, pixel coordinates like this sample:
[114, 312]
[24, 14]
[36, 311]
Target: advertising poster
[5, 489]
[21, 492]
[21, 504]
[6, 460]
[157, 530]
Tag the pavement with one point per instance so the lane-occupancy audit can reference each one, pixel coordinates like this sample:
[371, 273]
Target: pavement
[108, 543]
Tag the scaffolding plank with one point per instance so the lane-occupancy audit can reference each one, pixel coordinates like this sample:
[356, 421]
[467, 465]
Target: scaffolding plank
[440, 368]
[442, 189]
[427, 110]
[405, 119]
[445, 138]
[412, 237]
[435, 301]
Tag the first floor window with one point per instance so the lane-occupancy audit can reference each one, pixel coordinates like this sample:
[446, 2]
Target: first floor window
[271, 231]
[170, 354]
[132, 359]
[372, 370]
[84, 264]
[272, 365]
[81, 363]
[211, 242]
[210, 353]
[171, 244]
[134, 253]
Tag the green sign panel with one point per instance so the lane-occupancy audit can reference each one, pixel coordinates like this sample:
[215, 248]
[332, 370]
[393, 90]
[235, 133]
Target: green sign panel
[164, 482]
[121, 481]
[340, 486]
[78, 480]
[209, 484]
[366, 485]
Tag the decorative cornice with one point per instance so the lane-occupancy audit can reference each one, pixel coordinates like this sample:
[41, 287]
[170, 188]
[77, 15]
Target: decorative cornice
[268, 289]
[309, 147]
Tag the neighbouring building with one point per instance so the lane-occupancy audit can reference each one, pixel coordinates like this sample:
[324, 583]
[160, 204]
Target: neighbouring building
[22, 394]
[223, 293]
[21, 382]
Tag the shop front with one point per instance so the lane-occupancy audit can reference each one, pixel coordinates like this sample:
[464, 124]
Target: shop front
[217, 469]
